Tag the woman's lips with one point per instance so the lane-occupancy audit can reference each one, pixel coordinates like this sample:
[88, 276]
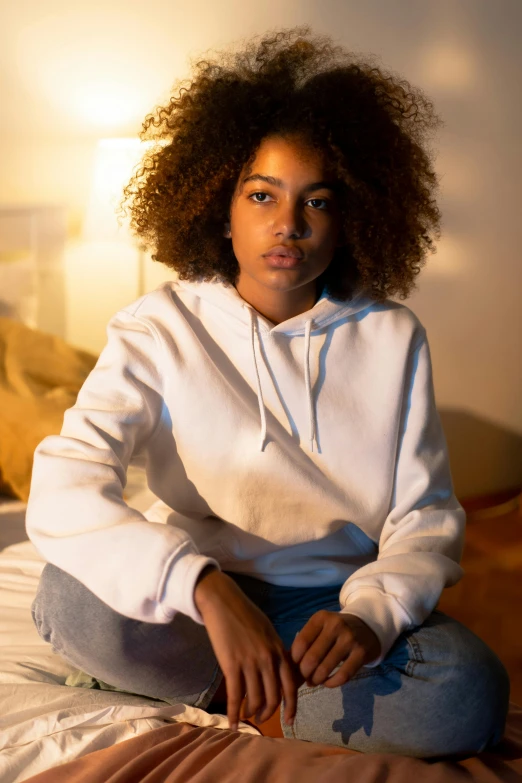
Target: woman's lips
[287, 262]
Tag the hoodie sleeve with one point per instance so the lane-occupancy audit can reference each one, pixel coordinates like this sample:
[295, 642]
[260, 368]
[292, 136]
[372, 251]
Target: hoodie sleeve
[422, 539]
[76, 515]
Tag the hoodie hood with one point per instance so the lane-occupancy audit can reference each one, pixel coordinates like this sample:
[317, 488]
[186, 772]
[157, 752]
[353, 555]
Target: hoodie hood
[325, 312]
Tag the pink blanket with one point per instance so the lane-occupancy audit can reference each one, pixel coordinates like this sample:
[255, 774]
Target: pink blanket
[181, 753]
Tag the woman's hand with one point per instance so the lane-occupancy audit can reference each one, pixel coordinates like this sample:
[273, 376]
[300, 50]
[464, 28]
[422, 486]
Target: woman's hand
[329, 638]
[248, 649]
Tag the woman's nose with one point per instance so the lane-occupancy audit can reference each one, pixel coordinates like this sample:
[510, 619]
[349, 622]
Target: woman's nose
[289, 220]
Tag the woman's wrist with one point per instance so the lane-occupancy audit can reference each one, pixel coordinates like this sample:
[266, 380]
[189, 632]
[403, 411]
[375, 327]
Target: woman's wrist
[203, 586]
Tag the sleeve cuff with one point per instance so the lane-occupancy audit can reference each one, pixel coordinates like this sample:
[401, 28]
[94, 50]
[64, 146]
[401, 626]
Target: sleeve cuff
[383, 614]
[180, 584]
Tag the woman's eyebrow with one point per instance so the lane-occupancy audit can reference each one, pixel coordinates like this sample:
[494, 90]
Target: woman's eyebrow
[329, 185]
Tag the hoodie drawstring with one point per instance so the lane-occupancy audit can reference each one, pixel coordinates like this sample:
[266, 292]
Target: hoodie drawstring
[311, 416]
[259, 392]
[311, 413]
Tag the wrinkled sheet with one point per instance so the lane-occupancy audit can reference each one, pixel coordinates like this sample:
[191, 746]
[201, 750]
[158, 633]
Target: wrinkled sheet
[186, 754]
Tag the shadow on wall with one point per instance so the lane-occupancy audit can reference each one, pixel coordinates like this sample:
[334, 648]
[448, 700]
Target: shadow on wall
[485, 458]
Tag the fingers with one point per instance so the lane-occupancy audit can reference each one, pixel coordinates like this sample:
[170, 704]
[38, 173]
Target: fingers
[235, 692]
[263, 693]
[289, 686]
[306, 637]
[351, 665]
[324, 652]
[317, 669]
[255, 694]
[272, 694]
[324, 643]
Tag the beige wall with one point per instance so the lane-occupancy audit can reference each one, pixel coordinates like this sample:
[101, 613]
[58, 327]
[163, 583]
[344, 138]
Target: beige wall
[74, 73]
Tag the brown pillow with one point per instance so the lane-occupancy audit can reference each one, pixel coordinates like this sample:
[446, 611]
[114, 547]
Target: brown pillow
[40, 377]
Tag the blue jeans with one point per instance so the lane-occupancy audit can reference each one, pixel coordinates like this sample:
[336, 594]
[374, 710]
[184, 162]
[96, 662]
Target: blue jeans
[440, 690]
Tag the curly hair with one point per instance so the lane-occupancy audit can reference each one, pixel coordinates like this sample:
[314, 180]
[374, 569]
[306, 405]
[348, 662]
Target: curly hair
[370, 125]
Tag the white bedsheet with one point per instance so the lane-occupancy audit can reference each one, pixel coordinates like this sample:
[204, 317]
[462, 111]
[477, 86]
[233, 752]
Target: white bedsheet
[43, 722]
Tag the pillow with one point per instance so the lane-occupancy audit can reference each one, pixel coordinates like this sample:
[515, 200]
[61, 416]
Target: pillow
[5, 489]
[40, 377]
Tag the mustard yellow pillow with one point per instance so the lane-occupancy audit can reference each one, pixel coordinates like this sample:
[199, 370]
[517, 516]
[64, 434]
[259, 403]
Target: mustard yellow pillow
[40, 377]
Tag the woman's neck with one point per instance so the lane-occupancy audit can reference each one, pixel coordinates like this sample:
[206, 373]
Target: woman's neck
[278, 306]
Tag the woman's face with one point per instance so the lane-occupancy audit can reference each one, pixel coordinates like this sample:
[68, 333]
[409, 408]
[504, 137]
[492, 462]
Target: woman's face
[285, 199]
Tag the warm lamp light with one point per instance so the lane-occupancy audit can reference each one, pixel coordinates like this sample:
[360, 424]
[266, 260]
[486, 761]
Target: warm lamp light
[108, 266]
[114, 162]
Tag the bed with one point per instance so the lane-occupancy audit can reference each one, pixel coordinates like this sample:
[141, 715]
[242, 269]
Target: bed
[52, 732]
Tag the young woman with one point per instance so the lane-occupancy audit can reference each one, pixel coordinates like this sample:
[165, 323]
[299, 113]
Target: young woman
[283, 406]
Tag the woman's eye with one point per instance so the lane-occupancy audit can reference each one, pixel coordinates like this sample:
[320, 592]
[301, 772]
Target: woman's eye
[262, 193]
[259, 193]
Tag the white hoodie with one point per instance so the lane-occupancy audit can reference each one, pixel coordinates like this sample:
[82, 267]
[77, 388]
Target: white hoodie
[307, 453]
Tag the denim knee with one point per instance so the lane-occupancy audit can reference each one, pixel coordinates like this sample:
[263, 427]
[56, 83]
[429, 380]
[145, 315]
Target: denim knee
[173, 662]
[488, 677]
[441, 691]
[470, 687]
[71, 619]
[484, 685]
[47, 602]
